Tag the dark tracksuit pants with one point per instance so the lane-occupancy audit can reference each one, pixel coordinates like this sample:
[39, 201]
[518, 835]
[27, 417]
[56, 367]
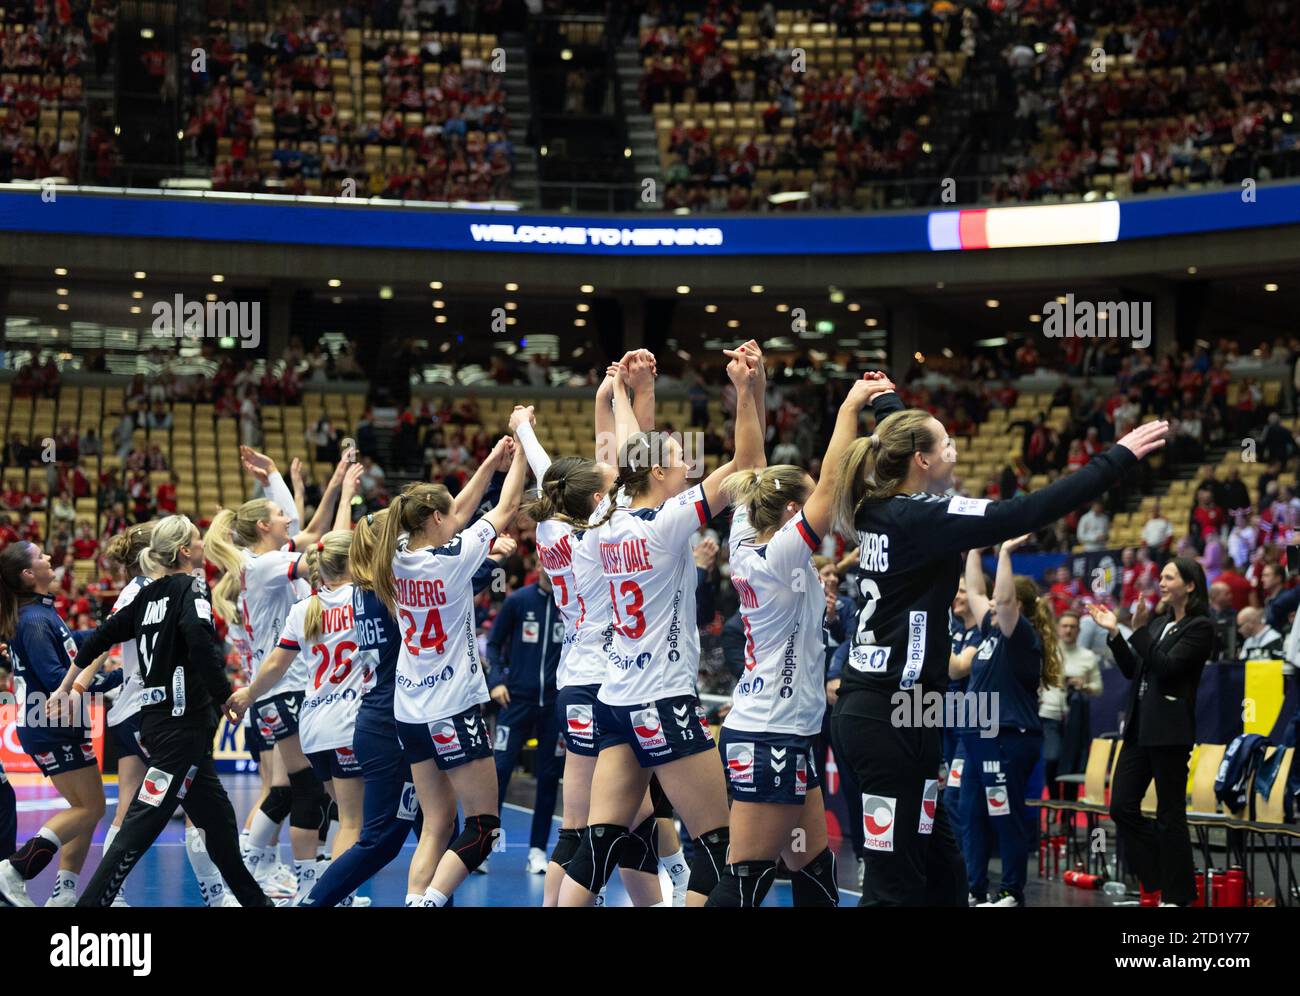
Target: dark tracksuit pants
[904, 866]
[521, 719]
[176, 752]
[1159, 851]
[383, 830]
[1002, 766]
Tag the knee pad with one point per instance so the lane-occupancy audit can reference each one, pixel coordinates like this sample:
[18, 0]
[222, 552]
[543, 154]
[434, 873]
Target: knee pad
[744, 883]
[278, 803]
[709, 860]
[659, 799]
[567, 846]
[309, 801]
[814, 884]
[475, 842]
[640, 851]
[597, 855]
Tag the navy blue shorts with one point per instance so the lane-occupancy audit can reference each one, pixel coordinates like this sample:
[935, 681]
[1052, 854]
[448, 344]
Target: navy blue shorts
[451, 742]
[277, 716]
[658, 732]
[768, 767]
[255, 735]
[58, 758]
[577, 707]
[337, 763]
[126, 735]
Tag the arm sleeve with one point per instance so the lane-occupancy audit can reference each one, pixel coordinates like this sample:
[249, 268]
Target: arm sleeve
[106, 681]
[291, 637]
[733, 645]
[538, 461]
[204, 646]
[841, 655]
[483, 576]
[705, 602]
[277, 491]
[939, 527]
[1190, 650]
[117, 628]
[883, 405]
[498, 636]
[1124, 657]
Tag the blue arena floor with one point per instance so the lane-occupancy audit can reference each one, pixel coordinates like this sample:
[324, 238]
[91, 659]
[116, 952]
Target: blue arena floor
[163, 876]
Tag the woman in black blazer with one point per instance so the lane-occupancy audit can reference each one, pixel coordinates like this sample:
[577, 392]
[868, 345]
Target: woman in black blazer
[1163, 659]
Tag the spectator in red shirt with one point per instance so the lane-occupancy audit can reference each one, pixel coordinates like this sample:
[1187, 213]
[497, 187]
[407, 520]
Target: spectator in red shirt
[166, 495]
[1237, 585]
[1064, 591]
[1206, 518]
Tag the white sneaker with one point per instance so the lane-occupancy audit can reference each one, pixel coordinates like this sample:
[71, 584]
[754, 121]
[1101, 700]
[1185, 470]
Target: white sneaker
[972, 899]
[61, 896]
[13, 889]
[482, 869]
[362, 901]
[1006, 899]
[536, 861]
[120, 900]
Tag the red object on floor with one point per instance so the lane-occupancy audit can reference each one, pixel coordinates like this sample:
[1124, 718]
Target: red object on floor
[1234, 887]
[1148, 898]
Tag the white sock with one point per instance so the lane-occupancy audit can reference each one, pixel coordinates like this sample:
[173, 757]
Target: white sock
[330, 834]
[66, 882]
[211, 886]
[432, 897]
[109, 834]
[678, 870]
[51, 836]
[414, 899]
[306, 872]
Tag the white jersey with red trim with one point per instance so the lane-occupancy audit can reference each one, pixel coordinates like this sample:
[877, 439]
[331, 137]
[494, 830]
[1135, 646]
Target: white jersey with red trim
[556, 544]
[782, 606]
[649, 573]
[439, 666]
[266, 594]
[328, 713]
[128, 697]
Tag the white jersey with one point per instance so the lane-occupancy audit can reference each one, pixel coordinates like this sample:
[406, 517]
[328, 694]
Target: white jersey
[266, 594]
[782, 606]
[557, 545]
[439, 666]
[649, 573]
[333, 696]
[128, 697]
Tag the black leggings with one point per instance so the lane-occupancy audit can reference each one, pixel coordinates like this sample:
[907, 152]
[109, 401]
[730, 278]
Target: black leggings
[180, 771]
[904, 865]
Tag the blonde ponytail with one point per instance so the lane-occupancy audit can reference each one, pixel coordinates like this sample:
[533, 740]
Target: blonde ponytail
[327, 564]
[365, 541]
[168, 537]
[765, 493]
[1039, 613]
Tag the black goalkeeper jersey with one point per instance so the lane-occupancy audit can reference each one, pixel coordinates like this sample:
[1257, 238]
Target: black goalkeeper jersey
[910, 561]
[182, 660]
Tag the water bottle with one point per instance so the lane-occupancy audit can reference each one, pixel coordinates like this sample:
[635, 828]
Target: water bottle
[1114, 889]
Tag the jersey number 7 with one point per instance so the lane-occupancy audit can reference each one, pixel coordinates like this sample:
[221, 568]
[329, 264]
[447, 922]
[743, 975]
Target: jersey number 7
[433, 636]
